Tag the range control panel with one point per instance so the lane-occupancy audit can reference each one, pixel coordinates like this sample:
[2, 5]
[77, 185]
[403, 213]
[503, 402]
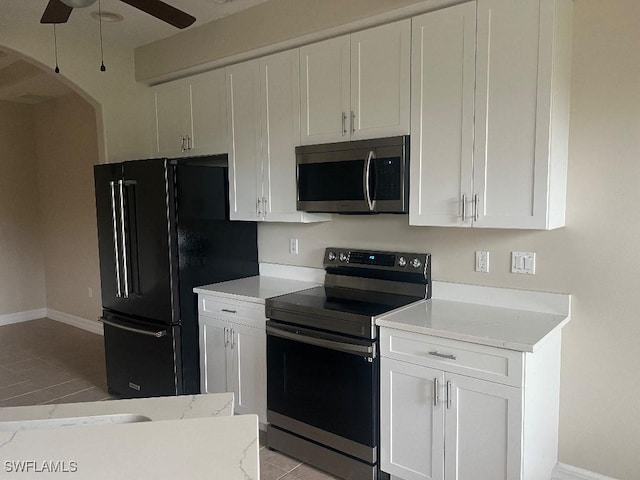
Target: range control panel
[397, 261]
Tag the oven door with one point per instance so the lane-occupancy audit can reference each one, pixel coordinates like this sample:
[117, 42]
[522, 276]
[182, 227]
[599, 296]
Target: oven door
[324, 387]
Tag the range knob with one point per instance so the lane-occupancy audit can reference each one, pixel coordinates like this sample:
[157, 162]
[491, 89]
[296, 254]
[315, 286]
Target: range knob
[402, 262]
[331, 256]
[415, 263]
[343, 257]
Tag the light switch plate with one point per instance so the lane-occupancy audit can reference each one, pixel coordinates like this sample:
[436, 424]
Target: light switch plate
[523, 262]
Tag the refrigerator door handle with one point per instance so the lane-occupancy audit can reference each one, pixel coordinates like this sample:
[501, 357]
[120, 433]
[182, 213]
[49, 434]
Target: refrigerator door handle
[116, 251]
[125, 270]
[150, 333]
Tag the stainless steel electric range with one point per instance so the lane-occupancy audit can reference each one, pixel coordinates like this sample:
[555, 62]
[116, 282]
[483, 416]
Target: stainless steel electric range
[323, 358]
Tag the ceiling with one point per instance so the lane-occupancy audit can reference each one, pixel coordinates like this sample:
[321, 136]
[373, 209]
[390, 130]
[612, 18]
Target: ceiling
[22, 82]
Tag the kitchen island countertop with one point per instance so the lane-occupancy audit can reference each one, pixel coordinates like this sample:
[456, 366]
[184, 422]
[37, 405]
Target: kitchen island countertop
[193, 436]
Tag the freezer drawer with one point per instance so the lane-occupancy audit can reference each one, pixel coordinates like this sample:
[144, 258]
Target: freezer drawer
[142, 358]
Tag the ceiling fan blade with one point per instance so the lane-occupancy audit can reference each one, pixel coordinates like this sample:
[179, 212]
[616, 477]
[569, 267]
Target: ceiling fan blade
[163, 11]
[56, 12]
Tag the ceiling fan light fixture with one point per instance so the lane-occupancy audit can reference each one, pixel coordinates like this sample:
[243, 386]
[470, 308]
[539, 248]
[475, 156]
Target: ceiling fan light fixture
[107, 17]
[78, 3]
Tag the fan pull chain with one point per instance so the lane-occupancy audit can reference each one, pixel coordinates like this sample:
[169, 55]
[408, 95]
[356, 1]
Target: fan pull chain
[55, 47]
[102, 67]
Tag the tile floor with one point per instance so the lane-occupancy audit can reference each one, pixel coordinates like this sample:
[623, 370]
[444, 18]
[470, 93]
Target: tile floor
[44, 361]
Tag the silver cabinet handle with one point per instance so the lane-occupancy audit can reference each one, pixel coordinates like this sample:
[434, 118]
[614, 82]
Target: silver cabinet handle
[226, 336]
[258, 209]
[344, 124]
[353, 122]
[232, 334]
[229, 311]
[116, 251]
[182, 149]
[264, 206]
[150, 333]
[443, 355]
[365, 181]
[476, 202]
[435, 392]
[464, 207]
[448, 395]
[189, 146]
[125, 270]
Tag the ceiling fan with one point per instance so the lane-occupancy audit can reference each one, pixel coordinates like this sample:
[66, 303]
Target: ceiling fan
[58, 11]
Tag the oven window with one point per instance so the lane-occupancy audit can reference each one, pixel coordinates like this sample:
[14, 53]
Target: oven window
[331, 390]
[330, 181]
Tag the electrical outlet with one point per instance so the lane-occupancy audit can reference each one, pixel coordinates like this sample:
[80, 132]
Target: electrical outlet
[523, 262]
[293, 246]
[482, 262]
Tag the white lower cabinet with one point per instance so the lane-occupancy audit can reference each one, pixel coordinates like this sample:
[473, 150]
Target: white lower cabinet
[233, 353]
[437, 424]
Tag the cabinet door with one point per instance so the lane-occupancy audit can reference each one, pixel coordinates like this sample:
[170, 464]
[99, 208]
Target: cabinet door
[172, 118]
[325, 78]
[249, 350]
[483, 430]
[443, 62]
[280, 87]
[512, 148]
[215, 360]
[411, 426]
[243, 113]
[380, 59]
[208, 133]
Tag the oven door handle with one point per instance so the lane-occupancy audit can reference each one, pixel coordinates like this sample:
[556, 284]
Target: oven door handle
[319, 341]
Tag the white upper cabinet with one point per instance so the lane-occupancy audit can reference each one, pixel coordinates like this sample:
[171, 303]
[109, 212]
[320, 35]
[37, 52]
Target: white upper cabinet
[442, 83]
[380, 76]
[522, 133]
[264, 116]
[356, 86]
[498, 160]
[325, 77]
[191, 116]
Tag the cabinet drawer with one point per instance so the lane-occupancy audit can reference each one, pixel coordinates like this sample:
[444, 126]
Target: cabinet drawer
[478, 361]
[236, 311]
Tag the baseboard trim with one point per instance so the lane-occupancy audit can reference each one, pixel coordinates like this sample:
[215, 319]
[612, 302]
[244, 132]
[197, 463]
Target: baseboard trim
[562, 471]
[18, 317]
[83, 323]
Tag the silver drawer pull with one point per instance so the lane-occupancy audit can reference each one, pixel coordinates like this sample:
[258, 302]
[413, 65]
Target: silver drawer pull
[443, 355]
[229, 311]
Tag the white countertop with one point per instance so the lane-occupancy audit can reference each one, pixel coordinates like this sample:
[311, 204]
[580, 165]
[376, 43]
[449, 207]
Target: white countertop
[521, 330]
[193, 437]
[254, 289]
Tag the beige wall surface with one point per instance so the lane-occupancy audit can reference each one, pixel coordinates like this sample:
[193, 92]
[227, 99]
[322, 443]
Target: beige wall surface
[265, 24]
[21, 269]
[67, 149]
[124, 108]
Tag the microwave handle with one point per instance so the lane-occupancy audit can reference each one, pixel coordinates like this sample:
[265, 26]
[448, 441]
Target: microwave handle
[365, 181]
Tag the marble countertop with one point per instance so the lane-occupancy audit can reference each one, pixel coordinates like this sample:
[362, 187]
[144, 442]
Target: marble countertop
[254, 289]
[515, 329]
[193, 437]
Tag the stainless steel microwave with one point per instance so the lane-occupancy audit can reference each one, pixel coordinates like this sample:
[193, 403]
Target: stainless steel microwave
[365, 176]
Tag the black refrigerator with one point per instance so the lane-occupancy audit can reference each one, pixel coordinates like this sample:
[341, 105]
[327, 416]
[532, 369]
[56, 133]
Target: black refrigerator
[163, 228]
